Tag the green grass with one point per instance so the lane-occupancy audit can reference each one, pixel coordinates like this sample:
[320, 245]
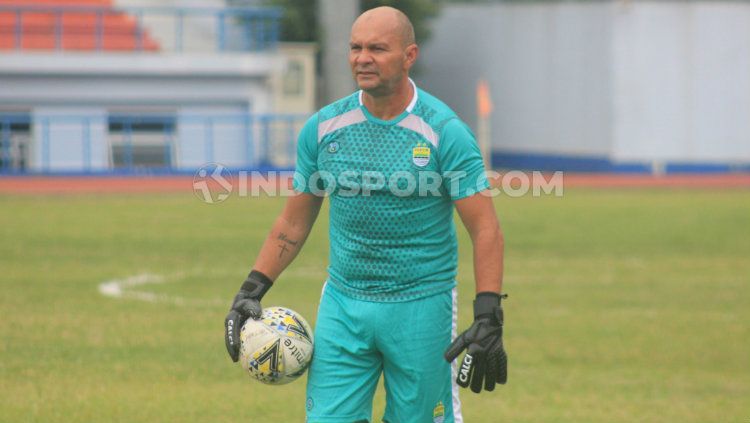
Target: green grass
[630, 305]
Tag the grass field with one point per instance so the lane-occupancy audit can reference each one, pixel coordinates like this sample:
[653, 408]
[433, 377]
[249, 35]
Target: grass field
[625, 306]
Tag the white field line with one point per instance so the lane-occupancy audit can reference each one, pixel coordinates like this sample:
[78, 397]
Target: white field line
[122, 289]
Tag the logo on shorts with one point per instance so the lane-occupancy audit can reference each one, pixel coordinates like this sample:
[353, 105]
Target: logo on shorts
[420, 154]
[438, 413]
[309, 405]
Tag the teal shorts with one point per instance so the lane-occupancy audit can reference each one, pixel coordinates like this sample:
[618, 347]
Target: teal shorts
[356, 341]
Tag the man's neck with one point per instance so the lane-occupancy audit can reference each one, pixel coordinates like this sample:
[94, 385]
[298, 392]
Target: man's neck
[387, 107]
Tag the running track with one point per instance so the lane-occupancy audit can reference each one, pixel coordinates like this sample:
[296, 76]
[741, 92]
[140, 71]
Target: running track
[179, 184]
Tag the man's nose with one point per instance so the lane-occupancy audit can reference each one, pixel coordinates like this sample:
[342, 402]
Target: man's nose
[363, 58]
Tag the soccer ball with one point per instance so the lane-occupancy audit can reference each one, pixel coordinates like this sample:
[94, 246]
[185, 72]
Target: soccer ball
[277, 348]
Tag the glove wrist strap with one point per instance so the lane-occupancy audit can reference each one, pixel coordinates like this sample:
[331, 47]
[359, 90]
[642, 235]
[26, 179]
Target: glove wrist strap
[256, 285]
[488, 304]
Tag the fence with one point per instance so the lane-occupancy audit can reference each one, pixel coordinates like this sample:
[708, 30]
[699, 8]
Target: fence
[45, 27]
[128, 143]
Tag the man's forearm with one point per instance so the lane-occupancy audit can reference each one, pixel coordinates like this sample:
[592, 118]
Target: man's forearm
[488, 260]
[280, 247]
[478, 215]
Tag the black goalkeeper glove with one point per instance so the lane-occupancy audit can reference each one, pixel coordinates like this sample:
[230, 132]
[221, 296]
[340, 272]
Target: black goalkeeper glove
[485, 359]
[246, 305]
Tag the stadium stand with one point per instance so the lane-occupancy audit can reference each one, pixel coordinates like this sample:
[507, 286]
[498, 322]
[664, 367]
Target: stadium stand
[70, 25]
[147, 86]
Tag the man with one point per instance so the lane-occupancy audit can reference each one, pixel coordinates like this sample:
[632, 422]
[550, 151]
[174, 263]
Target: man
[394, 162]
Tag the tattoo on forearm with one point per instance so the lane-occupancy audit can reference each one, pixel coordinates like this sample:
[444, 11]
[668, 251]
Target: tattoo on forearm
[285, 241]
[285, 238]
[283, 249]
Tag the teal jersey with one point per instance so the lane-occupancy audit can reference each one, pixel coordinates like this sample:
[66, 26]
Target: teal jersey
[391, 186]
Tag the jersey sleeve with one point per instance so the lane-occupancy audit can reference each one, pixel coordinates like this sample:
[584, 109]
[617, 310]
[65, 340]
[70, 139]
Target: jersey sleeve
[307, 155]
[461, 164]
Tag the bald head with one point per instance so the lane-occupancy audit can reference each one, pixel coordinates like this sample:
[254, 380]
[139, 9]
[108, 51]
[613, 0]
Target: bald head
[389, 19]
[381, 52]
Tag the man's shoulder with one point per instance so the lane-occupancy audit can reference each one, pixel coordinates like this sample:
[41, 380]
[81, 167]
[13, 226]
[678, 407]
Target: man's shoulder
[339, 107]
[434, 111]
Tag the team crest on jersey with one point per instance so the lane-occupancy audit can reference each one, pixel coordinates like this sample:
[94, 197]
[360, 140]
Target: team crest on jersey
[333, 147]
[420, 154]
[438, 413]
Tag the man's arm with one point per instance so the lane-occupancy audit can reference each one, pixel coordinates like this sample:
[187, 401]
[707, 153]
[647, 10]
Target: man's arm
[477, 213]
[288, 234]
[485, 362]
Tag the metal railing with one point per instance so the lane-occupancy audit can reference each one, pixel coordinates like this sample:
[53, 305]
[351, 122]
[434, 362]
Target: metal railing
[145, 143]
[101, 28]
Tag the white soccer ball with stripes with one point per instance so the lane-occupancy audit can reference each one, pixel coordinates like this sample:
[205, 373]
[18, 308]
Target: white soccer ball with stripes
[277, 348]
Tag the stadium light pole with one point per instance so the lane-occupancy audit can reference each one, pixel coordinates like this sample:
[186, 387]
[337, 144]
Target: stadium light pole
[336, 18]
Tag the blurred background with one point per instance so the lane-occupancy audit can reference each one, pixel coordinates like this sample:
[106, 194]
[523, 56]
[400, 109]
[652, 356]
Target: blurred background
[164, 86]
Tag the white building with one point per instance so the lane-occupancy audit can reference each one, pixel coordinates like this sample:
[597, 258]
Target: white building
[145, 87]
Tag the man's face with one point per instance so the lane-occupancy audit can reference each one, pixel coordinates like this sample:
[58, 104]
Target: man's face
[377, 56]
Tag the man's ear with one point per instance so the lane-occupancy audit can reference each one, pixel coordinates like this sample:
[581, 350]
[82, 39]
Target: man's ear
[411, 53]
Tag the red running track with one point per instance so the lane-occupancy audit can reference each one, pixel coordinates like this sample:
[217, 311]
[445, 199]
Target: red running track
[180, 184]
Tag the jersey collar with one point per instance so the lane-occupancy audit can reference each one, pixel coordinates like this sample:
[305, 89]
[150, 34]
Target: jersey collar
[412, 103]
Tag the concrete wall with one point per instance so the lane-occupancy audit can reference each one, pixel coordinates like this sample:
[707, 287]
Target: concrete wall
[138, 79]
[681, 78]
[636, 81]
[550, 95]
[69, 97]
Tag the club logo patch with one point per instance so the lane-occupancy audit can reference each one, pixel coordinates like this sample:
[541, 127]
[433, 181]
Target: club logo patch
[333, 147]
[438, 413]
[420, 154]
